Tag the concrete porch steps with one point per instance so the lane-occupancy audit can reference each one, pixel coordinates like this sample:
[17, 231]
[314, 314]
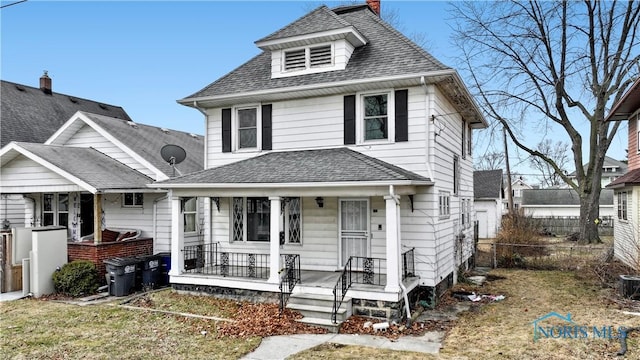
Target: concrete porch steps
[317, 310]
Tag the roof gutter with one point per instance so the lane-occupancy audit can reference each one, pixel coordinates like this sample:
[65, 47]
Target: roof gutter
[290, 185]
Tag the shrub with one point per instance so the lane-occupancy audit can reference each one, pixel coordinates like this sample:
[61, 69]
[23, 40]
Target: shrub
[521, 238]
[76, 278]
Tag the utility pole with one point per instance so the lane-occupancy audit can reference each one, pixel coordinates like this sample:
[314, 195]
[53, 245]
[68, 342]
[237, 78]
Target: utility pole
[506, 160]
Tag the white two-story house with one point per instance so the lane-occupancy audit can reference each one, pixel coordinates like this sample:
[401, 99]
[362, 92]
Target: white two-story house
[338, 160]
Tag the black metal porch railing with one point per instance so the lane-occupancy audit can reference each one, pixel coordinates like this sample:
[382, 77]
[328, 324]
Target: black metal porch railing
[206, 259]
[367, 270]
[340, 289]
[408, 264]
[289, 278]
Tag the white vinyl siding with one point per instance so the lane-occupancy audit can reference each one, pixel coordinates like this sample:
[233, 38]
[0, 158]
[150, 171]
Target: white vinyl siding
[22, 175]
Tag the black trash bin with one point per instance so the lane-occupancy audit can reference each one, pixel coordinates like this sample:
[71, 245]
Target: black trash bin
[122, 275]
[149, 266]
[165, 266]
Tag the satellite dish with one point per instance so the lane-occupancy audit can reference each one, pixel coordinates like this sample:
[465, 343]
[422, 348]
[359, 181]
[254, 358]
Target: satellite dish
[173, 154]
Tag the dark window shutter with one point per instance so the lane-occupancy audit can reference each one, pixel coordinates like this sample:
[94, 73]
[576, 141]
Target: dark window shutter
[226, 130]
[402, 115]
[266, 127]
[349, 119]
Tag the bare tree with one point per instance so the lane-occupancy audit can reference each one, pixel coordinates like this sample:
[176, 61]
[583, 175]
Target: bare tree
[557, 65]
[490, 161]
[559, 153]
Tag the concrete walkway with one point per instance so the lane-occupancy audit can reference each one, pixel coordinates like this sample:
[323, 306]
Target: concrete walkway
[280, 347]
[9, 296]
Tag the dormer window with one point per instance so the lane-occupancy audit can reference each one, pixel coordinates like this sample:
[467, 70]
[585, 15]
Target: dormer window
[308, 58]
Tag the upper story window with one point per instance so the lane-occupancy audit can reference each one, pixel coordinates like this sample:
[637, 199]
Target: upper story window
[247, 128]
[375, 117]
[444, 205]
[132, 200]
[456, 174]
[308, 58]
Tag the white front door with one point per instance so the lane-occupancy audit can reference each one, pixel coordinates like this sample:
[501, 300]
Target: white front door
[354, 229]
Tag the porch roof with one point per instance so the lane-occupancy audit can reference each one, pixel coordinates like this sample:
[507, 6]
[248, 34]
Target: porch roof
[86, 167]
[339, 165]
[632, 178]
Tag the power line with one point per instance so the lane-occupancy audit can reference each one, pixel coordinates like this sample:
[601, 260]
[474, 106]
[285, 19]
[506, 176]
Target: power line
[14, 3]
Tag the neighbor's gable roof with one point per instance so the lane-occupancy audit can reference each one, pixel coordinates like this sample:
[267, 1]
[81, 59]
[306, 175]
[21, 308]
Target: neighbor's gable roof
[388, 58]
[30, 115]
[559, 197]
[340, 165]
[487, 184]
[610, 162]
[627, 105]
[86, 167]
[139, 140]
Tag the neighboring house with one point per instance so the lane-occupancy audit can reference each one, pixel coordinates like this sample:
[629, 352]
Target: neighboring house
[611, 170]
[517, 187]
[32, 115]
[561, 203]
[488, 196]
[92, 174]
[627, 187]
[342, 146]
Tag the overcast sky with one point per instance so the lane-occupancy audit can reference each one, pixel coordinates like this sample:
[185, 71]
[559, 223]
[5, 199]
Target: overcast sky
[145, 55]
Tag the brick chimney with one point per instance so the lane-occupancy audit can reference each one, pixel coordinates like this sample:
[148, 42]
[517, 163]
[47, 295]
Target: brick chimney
[45, 83]
[374, 5]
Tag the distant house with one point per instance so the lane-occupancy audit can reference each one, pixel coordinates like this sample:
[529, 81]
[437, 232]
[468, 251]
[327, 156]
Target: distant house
[488, 196]
[517, 186]
[627, 187]
[343, 147]
[32, 115]
[611, 170]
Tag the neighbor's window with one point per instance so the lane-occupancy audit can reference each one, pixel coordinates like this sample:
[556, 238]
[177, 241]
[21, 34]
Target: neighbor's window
[55, 209]
[132, 200]
[444, 209]
[376, 119]
[247, 128]
[190, 214]
[622, 205]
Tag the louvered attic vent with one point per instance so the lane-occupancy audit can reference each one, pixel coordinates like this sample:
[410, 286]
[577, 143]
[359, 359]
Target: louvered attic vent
[320, 56]
[302, 59]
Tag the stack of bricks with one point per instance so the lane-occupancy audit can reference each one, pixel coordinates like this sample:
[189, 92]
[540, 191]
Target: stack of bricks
[97, 253]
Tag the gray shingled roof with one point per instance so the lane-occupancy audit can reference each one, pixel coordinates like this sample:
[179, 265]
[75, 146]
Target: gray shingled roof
[90, 166]
[30, 115]
[541, 197]
[387, 53]
[320, 19]
[147, 141]
[487, 184]
[609, 162]
[305, 166]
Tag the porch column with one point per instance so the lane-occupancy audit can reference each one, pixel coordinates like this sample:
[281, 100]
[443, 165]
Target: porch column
[274, 240]
[97, 218]
[393, 242]
[177, 237]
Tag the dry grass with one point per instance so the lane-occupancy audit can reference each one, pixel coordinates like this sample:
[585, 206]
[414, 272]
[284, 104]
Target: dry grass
[35, 329]
[341, 352]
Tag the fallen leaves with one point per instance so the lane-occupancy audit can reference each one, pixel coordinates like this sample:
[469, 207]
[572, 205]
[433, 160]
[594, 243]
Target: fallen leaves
[265, 320]
[356, 325]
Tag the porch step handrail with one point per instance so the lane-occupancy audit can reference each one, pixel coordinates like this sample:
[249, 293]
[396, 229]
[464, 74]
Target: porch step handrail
[289, 278]
[340, 289]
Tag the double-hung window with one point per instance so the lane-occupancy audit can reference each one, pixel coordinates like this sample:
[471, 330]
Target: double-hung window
[375, 117]
[132, 200]
[444, 209]
[247, 120]
[190, 210]
[622, 205]
[456, 174]
[55, 209]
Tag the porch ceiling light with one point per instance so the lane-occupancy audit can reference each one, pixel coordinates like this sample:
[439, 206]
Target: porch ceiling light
[320, 201]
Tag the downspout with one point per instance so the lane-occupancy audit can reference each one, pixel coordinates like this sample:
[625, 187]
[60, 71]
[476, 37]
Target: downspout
[206, 131]
[155, 216]
[402, 287]
[427, 110]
